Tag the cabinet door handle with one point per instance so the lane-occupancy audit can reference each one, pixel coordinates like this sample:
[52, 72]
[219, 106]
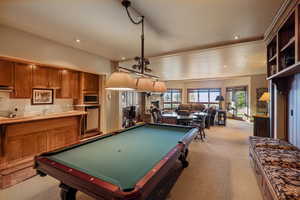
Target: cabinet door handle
[292, 112]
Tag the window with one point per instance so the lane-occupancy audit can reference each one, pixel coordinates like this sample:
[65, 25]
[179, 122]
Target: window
[205, 96]
[172, 99]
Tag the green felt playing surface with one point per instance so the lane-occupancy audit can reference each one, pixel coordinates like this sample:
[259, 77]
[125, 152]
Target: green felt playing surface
[123, 159]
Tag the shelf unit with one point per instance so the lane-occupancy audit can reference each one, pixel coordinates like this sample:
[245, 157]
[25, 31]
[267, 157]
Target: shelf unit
[283, 64]
[282, 58]
[272, 57]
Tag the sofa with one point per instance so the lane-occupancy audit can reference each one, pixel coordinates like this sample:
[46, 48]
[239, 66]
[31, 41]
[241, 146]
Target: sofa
[188, 108]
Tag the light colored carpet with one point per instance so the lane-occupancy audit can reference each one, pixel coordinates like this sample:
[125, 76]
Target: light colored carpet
[219, 170]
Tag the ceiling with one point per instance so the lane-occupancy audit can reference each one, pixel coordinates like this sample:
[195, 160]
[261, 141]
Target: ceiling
[241, 59]
[104, 29]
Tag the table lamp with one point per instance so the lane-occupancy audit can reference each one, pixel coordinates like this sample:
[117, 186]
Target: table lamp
[265, 98]
[220, 98]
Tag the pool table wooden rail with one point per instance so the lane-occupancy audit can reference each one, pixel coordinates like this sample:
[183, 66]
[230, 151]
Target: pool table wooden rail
[73, 180]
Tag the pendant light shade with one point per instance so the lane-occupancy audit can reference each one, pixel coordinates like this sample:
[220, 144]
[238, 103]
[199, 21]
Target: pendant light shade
[120, 81]
[160, 87]
[144, 85]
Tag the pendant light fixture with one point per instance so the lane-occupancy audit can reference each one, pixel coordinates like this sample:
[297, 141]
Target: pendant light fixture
[159, 87]
[144, 84]
[121, 81]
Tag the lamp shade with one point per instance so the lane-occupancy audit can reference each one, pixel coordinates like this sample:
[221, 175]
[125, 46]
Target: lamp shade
[160, 87]
[120, 81]
[219, 98]
[144, 85]
[265, 97]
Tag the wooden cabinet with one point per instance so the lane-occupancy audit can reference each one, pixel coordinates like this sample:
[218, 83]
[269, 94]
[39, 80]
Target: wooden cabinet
[75, 85]
[54, 78]
[283, 63]
[69, 85]
[90, 82]
[60, 137]
[45, 77]
[40, 77]
[22, 81]
[24, 146]
[66, 83]
[25, 77]
[31, 138]
[23, 141]
[261, 126]
[6, 73]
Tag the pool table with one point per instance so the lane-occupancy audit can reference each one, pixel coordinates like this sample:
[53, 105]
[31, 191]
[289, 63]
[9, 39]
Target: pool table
[127, 164]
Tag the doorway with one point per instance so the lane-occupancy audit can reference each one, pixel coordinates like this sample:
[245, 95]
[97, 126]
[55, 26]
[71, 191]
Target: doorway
[237, 102]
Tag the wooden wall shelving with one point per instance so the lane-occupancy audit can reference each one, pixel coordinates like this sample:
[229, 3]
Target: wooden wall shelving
[282, 57]
[283, 65]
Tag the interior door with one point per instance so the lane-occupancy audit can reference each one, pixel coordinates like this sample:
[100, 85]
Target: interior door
[294, 112]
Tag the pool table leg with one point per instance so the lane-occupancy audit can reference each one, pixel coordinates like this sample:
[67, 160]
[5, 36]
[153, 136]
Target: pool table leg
[67, 192]
[183, 160]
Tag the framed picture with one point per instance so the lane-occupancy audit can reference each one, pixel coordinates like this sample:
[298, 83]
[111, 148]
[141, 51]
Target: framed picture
[42, 96]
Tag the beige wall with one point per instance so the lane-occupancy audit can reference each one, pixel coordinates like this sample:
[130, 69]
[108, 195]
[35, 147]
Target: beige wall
[15, 43]
[252, 82]
[19, 44]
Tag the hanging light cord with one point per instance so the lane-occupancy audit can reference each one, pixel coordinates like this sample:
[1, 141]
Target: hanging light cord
[132, 20]
[127, 4]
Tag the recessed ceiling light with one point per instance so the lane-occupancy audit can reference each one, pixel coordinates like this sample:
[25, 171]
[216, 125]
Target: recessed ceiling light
[236, 37]
[225, 66]
[77, 40]
[123, 58]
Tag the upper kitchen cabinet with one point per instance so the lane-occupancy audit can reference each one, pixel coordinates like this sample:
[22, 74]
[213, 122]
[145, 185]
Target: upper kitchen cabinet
[54, 76]
[69, 84]
[75, 85]
[23, 80]
[45, 77]
[6, 73]
[90, 82]
[65, 90]
[40, 77]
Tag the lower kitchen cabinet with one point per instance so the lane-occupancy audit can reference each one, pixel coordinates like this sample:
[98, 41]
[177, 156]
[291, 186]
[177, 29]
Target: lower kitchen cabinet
[21, 142]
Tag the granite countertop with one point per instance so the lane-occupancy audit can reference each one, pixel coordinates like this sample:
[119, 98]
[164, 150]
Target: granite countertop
[4, 120]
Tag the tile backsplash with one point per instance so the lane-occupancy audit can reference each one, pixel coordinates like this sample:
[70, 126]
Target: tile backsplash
[8, 105]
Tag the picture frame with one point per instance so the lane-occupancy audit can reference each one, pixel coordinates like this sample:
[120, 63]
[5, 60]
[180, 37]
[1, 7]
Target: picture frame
[42, 96]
